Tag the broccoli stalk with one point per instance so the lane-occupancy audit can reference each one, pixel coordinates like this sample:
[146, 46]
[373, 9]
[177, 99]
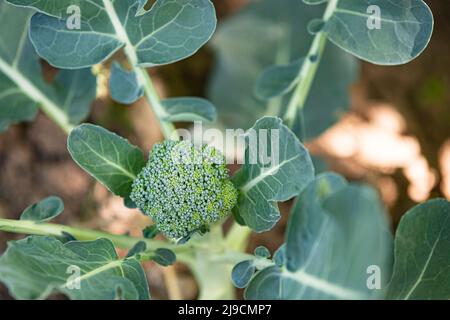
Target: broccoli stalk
[184, 188]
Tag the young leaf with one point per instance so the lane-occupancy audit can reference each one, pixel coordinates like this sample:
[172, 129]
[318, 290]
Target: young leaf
[315, 26]
[150, 232]
[110, 159]
[44, 210]
[35, 267]
[314, 2]
[277, 80]
[381, 31]
[242, 273]
[283, 26]
[124, 85]
[189, 109]
[339, 231]
[164, 257]
[22, 86]
[129, 203]
[422, 253]
[262, 185]
[172, 30]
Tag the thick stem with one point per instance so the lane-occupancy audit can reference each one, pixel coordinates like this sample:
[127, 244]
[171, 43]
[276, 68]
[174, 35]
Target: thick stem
[309, 69]
[167, 128]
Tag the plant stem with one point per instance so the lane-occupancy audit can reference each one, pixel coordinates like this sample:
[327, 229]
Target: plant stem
[82, 234]
[308, 70]
[36, 95]
[167, 128]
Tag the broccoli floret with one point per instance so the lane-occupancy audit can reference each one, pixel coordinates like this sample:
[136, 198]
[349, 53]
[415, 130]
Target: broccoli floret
[184, 188]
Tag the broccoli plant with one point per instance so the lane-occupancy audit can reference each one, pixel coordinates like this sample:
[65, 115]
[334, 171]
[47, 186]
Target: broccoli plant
[284, 68]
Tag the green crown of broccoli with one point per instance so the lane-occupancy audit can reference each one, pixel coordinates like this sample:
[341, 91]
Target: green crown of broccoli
[184, 188]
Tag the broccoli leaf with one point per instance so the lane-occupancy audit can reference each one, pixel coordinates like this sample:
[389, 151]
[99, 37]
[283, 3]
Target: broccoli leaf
[124, 85]
[22, 87]
[336, 231]
[44, 210]
[278, 80]
[299, 247]
[262, 252]
[139, 247]
[164, 257]
[314, 2]
[75, 90]
[110, 159]
[150, 232]
[422, 253]
[212, 275]
[35, 267]
[403, 32]
[283, 26]
[189, 109]
[242, 273]
[170, 31]
[277, 168]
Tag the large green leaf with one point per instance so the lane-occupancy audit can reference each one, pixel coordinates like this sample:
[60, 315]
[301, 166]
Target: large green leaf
[314, 2]
[335, 233]
[242, 57]
[422, 253]
[35, 267]
[261, 184]
[171, 30]
[110, 159]
[22, 86]
[404, 29]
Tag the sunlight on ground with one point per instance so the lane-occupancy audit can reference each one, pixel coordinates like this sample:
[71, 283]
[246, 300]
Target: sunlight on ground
[378, 142]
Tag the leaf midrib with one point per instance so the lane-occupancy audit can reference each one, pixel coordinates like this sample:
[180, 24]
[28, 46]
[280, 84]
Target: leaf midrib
[109, 162]
[96, 271]
[265, 173]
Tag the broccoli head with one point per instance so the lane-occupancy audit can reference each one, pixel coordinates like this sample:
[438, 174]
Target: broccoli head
[184, 188]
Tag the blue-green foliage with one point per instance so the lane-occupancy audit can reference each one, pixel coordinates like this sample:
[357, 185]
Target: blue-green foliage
[337, 231]
[184, 188]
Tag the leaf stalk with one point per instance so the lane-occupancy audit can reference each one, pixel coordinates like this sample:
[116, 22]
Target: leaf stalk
[167, 127]
[308, 70]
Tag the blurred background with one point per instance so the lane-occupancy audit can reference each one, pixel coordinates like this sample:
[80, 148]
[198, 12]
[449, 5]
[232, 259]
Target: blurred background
[396, 137]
